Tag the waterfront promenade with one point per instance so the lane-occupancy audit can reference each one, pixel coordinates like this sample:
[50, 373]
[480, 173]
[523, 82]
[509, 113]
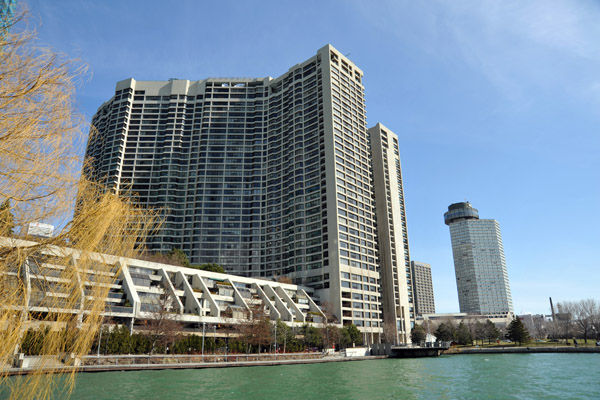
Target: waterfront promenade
[195, 361]
[160, 362]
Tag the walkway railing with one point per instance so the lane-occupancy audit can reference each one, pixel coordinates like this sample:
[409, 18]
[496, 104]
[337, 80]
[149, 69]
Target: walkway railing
[193, 358]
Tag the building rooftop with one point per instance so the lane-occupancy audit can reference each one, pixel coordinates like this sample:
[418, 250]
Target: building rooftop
[460, 211]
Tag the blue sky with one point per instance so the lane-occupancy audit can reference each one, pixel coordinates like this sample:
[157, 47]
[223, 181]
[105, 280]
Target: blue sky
[494, 102]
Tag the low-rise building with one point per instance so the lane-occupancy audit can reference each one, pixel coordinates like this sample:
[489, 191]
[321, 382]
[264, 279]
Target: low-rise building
[499, 321]
[139, 290]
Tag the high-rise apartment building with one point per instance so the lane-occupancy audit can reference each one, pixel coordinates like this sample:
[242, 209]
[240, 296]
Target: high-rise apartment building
[394, 255]
[481, 275]
[265, 176]
[7, 11]
[422, 288]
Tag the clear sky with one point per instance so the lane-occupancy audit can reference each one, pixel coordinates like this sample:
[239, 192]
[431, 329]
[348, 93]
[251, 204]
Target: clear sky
[494, 102]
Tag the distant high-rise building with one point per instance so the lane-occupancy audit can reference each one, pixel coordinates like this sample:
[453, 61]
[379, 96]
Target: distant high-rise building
[38, 229]
[481, 275]
[7, 11]
[266, 176]
[422, 288]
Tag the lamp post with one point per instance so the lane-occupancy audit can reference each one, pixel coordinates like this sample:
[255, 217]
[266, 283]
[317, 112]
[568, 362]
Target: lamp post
[99, 340]
[214, 337]
[275, 338]
[203, 335]
[327, 332]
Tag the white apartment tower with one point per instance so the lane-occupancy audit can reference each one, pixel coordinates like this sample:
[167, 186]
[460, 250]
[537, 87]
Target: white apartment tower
[265, 176]
[394, 256]
[480, 267]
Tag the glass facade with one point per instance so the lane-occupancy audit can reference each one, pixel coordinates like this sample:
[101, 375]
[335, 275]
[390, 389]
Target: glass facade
[7, 11]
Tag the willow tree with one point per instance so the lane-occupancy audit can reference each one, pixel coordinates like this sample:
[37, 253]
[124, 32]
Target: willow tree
[41, 137]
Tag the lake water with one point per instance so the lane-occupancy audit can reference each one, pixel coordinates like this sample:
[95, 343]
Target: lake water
[497, 376]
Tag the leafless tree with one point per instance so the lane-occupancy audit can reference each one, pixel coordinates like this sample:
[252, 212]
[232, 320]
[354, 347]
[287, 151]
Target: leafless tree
[476, 328]
[540, 330]
[585, 313]
[429, 326]
[256, 331]
[535, 326]
[593, 308]
[283, 279]
[389, 333]
[564, 319]
[330, 333]
[160, 258]
[162, 327]
[581, 316]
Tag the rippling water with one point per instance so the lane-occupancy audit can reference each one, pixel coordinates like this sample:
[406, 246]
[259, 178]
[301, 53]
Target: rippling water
[498, 376]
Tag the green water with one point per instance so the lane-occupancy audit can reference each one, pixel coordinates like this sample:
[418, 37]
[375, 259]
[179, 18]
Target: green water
[498, 376]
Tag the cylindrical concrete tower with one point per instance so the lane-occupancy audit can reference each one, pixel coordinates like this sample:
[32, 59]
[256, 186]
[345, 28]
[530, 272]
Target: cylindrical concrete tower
[479, 263]
[460, 211]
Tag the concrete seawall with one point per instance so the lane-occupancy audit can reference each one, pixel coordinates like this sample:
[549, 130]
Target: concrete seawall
[229, 364]
[500, 350]
[274, 362]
